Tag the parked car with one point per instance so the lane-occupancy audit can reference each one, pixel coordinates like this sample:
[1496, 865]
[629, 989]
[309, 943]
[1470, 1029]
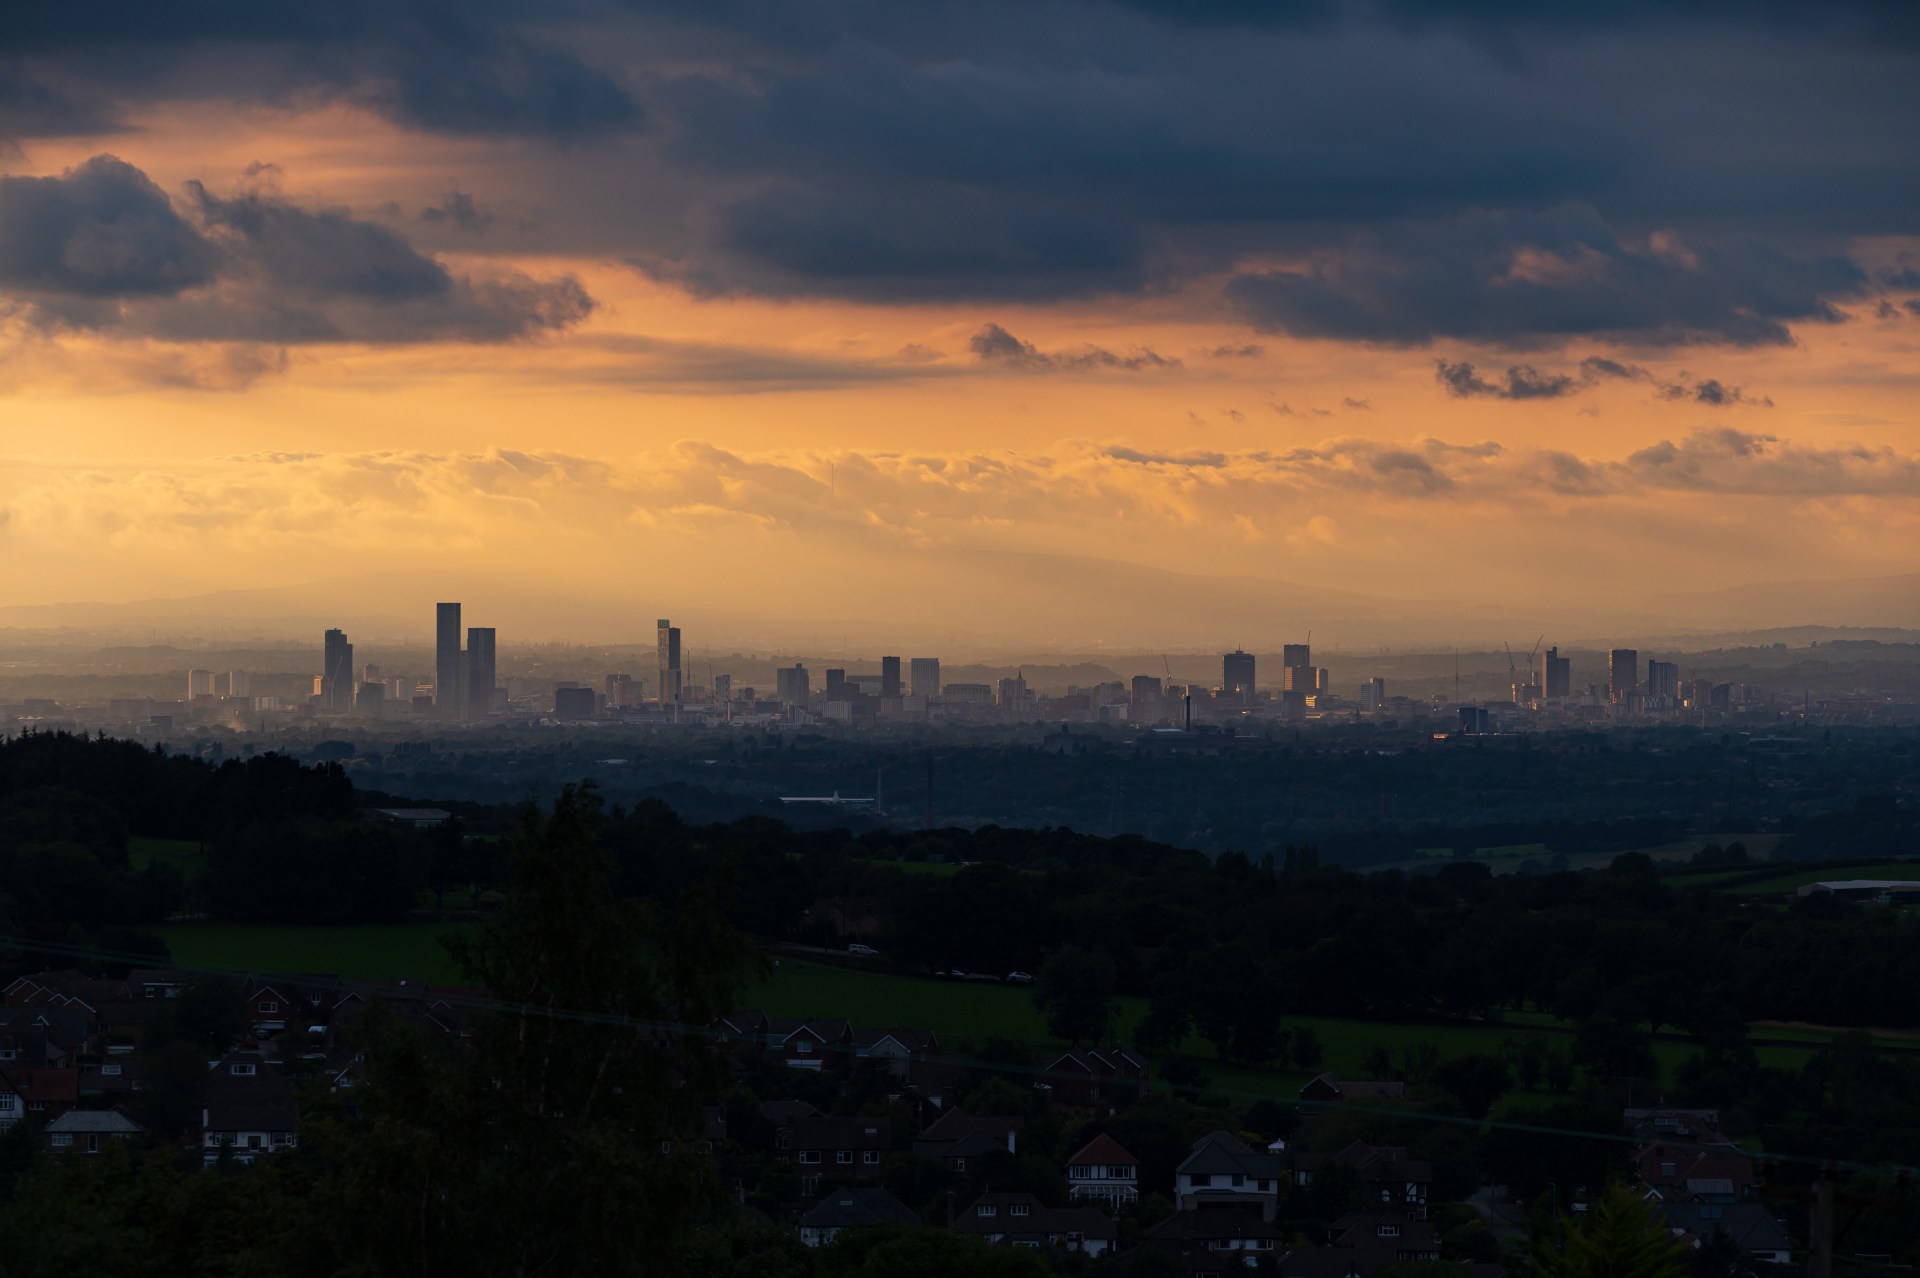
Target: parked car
[864, 951]
[978, 976]
[1019, 978]
[950, 974]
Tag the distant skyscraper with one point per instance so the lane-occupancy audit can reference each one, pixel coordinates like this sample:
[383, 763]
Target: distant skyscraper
[1559, 675]
[573, 703]
[239, 683]
[336, 679]
[1623, 674]
[792, 686]
[1236, 675]
[1296, 654]
[1373, 693]
[889, 676]
[482, 671]
[199, 683]
[925, 672]
[448, 669]
[1145, 691]
[1663, 683]
[838, 689]
[667, 644]
[722, 689]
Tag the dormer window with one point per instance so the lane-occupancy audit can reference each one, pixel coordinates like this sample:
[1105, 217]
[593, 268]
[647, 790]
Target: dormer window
[110, 1068]
[1017, 1209]
[988, 1209]
[1389, 1231]
[242, 1069]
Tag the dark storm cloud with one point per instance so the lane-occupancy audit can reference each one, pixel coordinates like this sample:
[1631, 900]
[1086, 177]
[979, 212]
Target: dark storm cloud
[995, 345]
[30, 108]
[101, 230]
[439, 67]
[461, 210]
[1527, 278]
[102, 248]
[1407, 153]
[1522, 381]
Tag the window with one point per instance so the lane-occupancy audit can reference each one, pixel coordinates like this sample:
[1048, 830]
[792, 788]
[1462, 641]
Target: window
[253, 1140]
[111, 1068]
[1262, 1186]
[36, 1105]
[870, 1157]
[62, 1139]
[9, 1054]
[269, 1007]
[242, 1069]
[1079, 1171]
[843, 1156]
[282, 1139]
[1017, 1209]
[1121, 1173]
[804, 1046]
[1239, 1181]
[809, 1155]
[1666, 1169]
[93, 1142]
[988, 1209]
[666, 1147]
[1389, 1231]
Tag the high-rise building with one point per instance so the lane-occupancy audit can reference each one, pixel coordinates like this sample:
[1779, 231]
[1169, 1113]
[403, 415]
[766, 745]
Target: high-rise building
[1296, 654]
[336, 679]
[199, 684]
[667, 643]
[1373, 693]
[1663, 683]
[838, 689]
[369, 698]
[448, 669]
[239, 683]
[1014, 692]
[889, 677]
[925, 674]
[1236, 675]
[1558, 670]
[722, 689]
[792, 686]
[1623, 674]
[482, 671]
[572, 703]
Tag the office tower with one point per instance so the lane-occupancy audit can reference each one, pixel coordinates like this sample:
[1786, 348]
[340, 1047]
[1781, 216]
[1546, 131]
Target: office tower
[838, 689]
[668, 645]
[482, 671]
[1236, 675]
[925, 674]
[1373, 693]
[239, 683]
[1559, 675]
[1145, 688]
[448, 669]
[1322, 679]
[336, 681]
[573, 703]
[722, 689]
[369, 697]
[889, 676]
[1015, 693]
[1663, 683]
[1623, 674]
[1296, 654]
[199, 684]
[792, 686]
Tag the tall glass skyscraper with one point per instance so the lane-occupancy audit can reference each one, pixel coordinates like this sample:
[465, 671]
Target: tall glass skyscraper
[669, 652]
[482, 673]
[448, 670]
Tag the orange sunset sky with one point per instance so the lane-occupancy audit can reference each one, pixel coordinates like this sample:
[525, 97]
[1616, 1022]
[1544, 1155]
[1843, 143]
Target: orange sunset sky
[1009, 321]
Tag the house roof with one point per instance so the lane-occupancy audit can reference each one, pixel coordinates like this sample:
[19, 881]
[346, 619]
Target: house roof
[784, 1113]
[111, 1121]
[1222, 1152]
[1362, 1229]
[252, 1116]
[1104, 1150]
[854, 1208]
[1213, 1224]
[1354, 1089]
[1337, 1262]
[1749, 1224]
[834, 1131]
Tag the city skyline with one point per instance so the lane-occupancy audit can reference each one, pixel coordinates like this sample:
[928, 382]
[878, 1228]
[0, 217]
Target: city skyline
[1357, 307]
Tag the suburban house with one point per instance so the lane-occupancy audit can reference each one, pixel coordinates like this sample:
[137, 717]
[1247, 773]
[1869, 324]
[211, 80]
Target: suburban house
[1750, 1225]
[1021, 1220]
[249, 1109]
[958, 1137]
[773, 1126]
[1326, 1089]
[1720, 1174]
[1222, 1171]
[1407, 1239]
[846, 1148]
[895, 1049]
[1095, 1079]
[852, 1209]
[811, 1044]
[1205, 1241]
[1384, 1172]
[1104, 1172]
[46, 1093]
[738, 1031]
[88, 1131]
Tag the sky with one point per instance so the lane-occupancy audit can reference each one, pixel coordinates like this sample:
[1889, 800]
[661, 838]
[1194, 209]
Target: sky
[1100, 322]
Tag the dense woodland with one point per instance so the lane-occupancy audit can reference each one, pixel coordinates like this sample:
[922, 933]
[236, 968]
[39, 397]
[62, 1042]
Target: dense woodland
[630, 912]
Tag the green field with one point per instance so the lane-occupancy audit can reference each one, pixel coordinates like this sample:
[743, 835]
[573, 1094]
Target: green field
[392, 951]
[1903, 871]
[182, 854]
